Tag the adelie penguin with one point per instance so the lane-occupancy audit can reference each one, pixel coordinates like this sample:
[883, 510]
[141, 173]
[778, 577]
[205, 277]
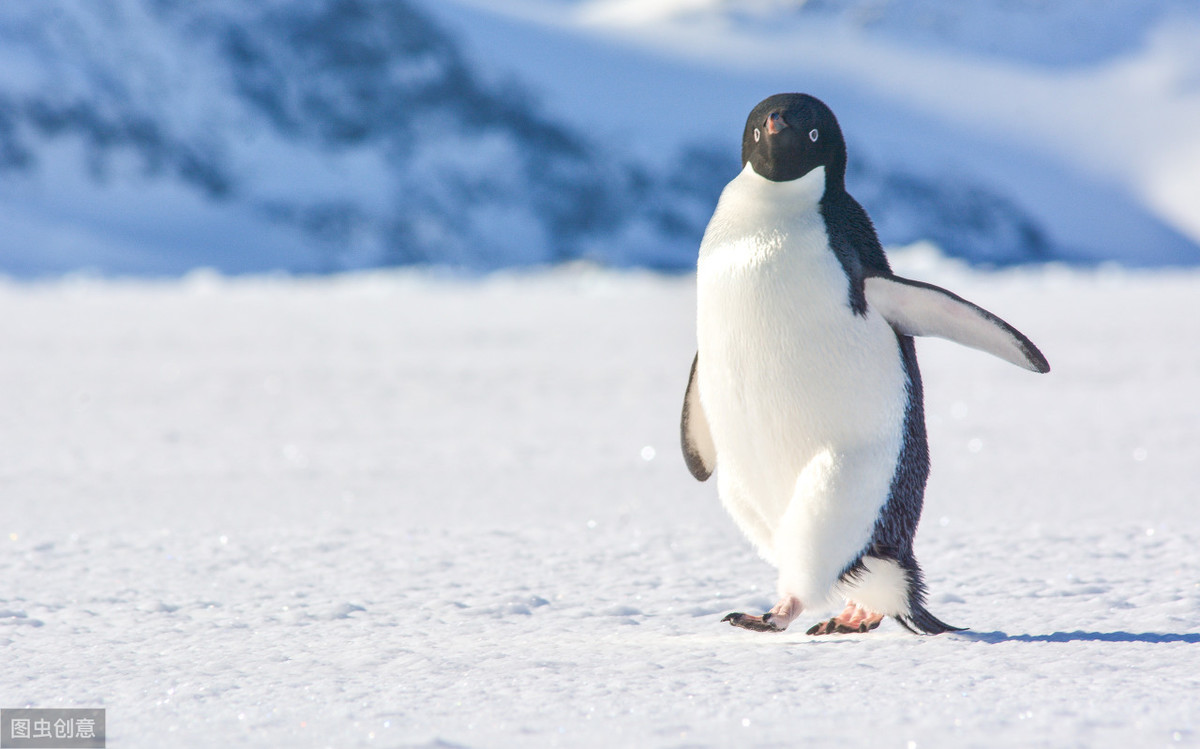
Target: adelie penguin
[805, 396]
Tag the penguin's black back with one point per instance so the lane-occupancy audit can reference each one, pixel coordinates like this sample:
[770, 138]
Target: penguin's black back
[853, 240]
[855, 243]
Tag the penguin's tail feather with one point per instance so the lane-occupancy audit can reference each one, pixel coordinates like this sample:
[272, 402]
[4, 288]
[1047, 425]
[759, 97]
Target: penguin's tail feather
[920, 622]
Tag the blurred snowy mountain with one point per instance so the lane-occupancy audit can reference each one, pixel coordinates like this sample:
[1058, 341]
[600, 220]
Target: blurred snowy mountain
[155, 136]
[1063, 32]
[1004, 130]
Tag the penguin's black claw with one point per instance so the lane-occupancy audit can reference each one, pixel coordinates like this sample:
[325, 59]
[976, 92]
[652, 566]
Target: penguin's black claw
[753, 623]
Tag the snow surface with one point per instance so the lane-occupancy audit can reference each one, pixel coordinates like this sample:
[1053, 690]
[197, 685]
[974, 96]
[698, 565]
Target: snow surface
[402, 510]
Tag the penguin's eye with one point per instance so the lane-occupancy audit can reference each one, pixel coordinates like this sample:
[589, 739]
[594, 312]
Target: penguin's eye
[812, 135]
[757, 135]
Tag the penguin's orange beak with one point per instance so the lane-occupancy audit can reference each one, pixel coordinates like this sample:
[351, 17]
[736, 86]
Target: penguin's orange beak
[775, 123]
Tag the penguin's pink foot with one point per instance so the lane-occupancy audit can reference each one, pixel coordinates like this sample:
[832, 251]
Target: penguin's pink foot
[854, 618]
[775, 620]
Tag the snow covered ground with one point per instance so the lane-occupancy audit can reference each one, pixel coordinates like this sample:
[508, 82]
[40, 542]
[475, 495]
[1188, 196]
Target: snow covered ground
[400, 510]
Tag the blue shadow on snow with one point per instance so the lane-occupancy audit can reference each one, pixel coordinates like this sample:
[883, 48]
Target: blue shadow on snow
[1078, 636]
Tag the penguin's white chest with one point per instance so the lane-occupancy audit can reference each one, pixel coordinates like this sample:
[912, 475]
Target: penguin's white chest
[788, 373]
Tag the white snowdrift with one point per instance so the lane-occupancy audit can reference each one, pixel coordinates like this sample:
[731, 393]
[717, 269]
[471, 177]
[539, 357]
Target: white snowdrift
[392, 510]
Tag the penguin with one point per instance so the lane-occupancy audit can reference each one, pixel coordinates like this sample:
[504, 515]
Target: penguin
[805, 396]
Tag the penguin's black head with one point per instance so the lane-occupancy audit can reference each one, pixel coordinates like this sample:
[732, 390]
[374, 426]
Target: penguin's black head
[789, 135]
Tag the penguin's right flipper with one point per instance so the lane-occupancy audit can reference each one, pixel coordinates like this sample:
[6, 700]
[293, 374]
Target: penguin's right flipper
[698, 449]
[914, 308]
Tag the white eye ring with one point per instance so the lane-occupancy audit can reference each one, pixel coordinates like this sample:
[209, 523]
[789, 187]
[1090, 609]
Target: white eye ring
[812, 135]
[757, 135]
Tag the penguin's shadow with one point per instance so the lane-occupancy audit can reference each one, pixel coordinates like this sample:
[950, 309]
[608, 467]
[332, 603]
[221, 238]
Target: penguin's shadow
[1077, 636]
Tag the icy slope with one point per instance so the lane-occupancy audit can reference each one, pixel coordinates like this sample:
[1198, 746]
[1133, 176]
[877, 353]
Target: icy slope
[389, 511]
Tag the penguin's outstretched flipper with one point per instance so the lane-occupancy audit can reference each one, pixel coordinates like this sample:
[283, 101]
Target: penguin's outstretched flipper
[697, 442]
[920, 309]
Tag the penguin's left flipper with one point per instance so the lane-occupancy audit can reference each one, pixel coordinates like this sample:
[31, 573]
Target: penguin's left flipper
[698, 449]
[915, 308]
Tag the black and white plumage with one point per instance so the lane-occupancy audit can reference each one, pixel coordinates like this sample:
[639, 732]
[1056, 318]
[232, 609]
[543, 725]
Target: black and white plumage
[805, 397]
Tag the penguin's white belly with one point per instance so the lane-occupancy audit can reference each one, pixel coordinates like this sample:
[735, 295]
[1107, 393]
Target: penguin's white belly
[805, 400]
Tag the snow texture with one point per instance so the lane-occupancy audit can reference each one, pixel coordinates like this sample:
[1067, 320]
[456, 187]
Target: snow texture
[393, 510]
